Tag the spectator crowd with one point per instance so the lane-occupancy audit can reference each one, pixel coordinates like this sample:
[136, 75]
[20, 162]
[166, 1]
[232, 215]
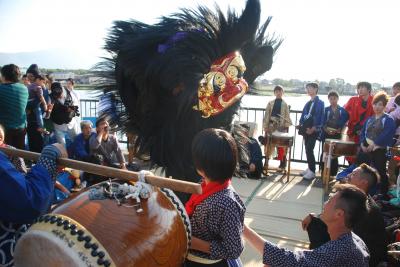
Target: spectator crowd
[36, 111]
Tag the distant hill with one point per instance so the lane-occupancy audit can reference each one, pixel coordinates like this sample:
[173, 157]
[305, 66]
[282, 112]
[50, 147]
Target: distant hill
[53, 58]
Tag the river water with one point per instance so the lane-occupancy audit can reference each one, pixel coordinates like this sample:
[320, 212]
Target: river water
[295, 102]
[253, 101]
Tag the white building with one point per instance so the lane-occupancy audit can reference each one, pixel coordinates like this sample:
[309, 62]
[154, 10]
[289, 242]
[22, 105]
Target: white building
[62, 76]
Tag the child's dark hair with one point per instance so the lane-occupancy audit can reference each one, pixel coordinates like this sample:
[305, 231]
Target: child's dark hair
[364, 84]
[11, 73]
[214, 152]
[313, 85]
[278, 88]
[100, 120]
[56, 90]
[333, 93]
[71, 81]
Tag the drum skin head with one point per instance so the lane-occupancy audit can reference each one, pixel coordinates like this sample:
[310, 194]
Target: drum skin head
[43, 249]
[48, 243]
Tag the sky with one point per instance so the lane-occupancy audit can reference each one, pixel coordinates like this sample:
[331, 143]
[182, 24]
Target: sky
[323, 39]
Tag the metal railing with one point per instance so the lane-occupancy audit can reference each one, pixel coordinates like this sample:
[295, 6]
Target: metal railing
[257, 115]
[89, 109]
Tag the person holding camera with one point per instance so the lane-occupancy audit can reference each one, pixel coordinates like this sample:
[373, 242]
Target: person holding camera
[106, 146]
[65, 113]
[359, 109]
[310, 126]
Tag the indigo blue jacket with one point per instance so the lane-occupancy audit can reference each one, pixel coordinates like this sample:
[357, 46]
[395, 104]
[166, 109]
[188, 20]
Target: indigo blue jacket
[22, 199]
[343, 118]
[385, 138]
[318, 113]
[77, 149]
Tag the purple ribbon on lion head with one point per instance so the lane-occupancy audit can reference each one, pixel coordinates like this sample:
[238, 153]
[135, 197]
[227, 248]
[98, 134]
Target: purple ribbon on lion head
[162, 48]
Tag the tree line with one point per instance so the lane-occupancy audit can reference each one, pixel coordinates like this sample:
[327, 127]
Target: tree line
[297, 86]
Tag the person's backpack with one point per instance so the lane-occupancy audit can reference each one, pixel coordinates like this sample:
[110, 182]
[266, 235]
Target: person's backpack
[62, 113]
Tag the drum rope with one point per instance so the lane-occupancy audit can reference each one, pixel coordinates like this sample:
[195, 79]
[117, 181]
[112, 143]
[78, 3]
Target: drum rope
[124, 192]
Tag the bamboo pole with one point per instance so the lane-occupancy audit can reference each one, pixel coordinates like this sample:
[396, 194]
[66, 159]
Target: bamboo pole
[176, 185]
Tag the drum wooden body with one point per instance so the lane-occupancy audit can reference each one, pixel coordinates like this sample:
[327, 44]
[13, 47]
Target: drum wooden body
[341, 148]
[281, 139]
[87, 232]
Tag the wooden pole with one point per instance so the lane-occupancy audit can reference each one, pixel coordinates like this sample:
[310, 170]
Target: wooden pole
[176, 185]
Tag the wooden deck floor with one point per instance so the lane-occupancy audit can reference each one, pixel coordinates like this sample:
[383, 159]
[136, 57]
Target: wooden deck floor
[275, 210]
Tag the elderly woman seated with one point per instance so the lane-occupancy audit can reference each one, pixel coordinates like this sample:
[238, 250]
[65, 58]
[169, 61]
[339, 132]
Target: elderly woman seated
[80, 149]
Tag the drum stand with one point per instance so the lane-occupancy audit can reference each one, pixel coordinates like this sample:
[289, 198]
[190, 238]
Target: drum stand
[289, 160]
[267, 150]
[326, 174]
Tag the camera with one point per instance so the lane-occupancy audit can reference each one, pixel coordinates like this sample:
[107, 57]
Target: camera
[75, 109]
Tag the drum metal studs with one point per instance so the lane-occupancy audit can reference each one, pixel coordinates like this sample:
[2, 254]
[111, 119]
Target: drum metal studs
[47, 218]
[101, 254]
[53, 219]
[94, 253]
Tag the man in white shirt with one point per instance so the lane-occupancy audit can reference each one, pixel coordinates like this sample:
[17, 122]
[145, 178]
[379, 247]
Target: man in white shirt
[71, 129]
